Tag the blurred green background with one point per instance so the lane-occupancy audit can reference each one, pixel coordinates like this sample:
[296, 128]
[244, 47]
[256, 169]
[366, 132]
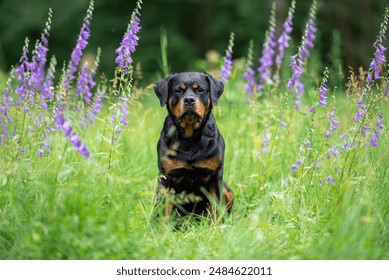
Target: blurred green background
[193, 28]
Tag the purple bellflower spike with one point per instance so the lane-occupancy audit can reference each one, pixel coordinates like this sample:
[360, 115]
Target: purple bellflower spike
[323, 89]
[130, 41]
[5, 104]
[22, 75]
[297, 61]
[48, 85]
[268, 52]
[227, 66]
[81, 44]
[283, 40]
[379, 57]
[83, 86]
[322, 97]
[249, 75]
[39, 59]
[97, 105]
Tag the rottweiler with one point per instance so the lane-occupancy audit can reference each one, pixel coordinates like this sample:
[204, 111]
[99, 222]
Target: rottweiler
[191, 147]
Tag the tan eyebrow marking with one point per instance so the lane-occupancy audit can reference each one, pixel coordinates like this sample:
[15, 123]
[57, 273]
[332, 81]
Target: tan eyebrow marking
[183, 87]
[195, 86]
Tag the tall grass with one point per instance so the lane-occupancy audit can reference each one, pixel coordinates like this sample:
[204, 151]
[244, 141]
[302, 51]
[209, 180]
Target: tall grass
[309, 184]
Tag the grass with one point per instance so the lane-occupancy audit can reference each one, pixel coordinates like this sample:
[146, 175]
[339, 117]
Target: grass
[62, 206]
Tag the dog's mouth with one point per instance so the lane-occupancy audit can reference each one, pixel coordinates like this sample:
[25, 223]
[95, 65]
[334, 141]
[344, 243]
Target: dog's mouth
[190, 116]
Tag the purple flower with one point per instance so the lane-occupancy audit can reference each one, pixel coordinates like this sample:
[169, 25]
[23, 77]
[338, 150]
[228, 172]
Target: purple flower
[39, 59]
[297, 60]
[249, 76]
[308, 143]
[129, 42]
[333, 125]
[328, 134]
[266, 61]
[96, 106]
[83, 84]
[310, 34]
[66, 128]
[283, 124]
[322, 93]
[358, 116]
[84, 151]
[334, 151]
[330, 180]
[283, 40]
[6, 101]
[41, 152]
[81, 44]
[22, 75]
[380, 123]
[48, 85]
[294, 167]
[226, 68]
[373, 141]
[343, 136]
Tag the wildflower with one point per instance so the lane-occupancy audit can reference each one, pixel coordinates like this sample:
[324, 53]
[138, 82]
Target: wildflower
[226, 68]
[328, 134]
[334, 151]
[379, 58]
[124, 111]
[81, 44]
[130, 41]
[333, 124]
[22, 75]
[96, 106]
[249, 76]
[76, 142]
[266, 61]
[310, 34]
[311, 109]
[359, 114]
[322, 97]
[83, 84]
[283, 124]
[265, 141]
[308, 143]
[283, 40]
[366, 127]
[373, 141]
[296, 65]
[330, 180]
[48, 85]
[297, 60]
[343, 136]
[41, 152]
[39, 59]
[6, 101]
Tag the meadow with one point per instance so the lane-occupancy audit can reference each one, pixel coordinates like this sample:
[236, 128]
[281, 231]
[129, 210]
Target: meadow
[309, 171]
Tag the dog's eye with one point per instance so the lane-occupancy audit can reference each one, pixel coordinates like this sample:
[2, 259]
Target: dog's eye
[200, 90]
[177, 90]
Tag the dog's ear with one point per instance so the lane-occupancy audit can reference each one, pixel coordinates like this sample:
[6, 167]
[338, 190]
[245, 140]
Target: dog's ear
[216, 89]
[161, 89]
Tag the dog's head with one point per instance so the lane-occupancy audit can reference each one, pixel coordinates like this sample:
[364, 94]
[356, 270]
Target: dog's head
[189, 96]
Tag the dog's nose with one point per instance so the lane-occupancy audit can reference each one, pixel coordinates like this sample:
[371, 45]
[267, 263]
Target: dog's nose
[189, 100]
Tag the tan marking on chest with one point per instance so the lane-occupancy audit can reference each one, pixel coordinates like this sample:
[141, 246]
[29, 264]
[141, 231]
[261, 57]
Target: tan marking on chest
[212, 163]
[170, 164]
[189, 123]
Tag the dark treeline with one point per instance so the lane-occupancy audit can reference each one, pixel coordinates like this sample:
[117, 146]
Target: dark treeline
[192, 26]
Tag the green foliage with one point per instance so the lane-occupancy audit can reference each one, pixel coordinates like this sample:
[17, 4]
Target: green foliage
[62, 206]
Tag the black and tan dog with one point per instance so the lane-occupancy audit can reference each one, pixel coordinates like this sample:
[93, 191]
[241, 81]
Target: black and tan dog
[190, 147]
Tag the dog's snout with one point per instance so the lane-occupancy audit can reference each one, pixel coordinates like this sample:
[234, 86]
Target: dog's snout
[189, 100]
